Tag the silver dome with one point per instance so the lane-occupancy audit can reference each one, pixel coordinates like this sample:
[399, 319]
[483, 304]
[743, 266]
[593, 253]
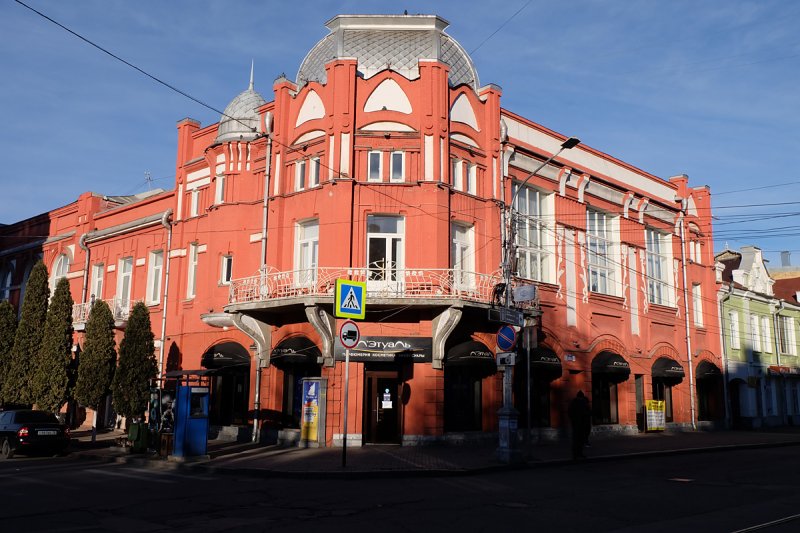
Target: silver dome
[380, 42]
[240, 119]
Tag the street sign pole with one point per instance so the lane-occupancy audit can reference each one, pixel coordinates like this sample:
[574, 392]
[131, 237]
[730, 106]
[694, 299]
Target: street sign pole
[346, 388]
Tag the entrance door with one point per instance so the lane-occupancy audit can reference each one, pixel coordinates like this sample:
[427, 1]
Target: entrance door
[382, 407]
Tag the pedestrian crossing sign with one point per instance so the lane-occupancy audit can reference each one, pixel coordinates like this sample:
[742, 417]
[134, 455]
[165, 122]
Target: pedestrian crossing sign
[350, 299]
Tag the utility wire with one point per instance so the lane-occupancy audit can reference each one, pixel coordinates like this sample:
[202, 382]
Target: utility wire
[501, 26]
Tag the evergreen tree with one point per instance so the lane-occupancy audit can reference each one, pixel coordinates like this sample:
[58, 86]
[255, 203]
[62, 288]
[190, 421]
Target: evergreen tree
[28, 337]
[50, 376]
[137, 365]
[8, 327]
[98, 359]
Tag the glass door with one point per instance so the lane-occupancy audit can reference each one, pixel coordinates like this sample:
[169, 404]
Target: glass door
[385, 254]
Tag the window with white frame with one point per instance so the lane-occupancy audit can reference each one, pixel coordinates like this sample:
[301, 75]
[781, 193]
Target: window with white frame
[755, 334]
[194, 204]
[531, 213]
[733, 325]
[191, 281]
[697, 304]
[398, 172]
[786, 335]
[7, 279]
[60, 270]
[463, 256]
[600, 245]
[765, 332]
[375, 166]
[98, 271]
[472, 178]
[300, 169]
[385, 252]
[219, 193]
[155, 267]
[458, 174]
[306, 252]
[313, 172]
[226, 270]
[658, 272]
[124, 279]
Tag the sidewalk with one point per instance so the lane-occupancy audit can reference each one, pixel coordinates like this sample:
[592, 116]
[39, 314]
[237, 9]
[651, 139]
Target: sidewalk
[436, 460]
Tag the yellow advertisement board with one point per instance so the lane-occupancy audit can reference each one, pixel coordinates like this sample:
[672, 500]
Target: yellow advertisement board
[656, 419]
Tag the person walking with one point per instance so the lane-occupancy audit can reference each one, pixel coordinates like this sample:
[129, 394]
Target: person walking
[580, 415]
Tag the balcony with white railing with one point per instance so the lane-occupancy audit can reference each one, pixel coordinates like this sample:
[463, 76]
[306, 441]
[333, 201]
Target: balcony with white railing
[425, 285]
[120, 309]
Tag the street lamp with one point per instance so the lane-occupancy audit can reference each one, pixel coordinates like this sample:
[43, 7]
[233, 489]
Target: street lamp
[572, 142]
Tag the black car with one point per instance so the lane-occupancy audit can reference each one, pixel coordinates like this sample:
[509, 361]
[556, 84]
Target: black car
[27, 430]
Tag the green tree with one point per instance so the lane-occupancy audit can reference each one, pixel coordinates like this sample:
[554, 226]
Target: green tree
[50, 375]
[28, 337]
[137, 365]
[8, 327]
[97, 361]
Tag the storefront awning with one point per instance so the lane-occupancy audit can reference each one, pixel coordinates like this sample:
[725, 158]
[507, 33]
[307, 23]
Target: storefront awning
[666, 368]
[545, 363]
[471, 354]
[298, 350]
[612, 365]
[707, 370]
[225, 354]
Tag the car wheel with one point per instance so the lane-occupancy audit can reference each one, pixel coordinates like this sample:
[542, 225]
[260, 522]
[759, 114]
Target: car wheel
[6, 451]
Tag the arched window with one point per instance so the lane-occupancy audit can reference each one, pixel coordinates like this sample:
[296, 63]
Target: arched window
[60, 270]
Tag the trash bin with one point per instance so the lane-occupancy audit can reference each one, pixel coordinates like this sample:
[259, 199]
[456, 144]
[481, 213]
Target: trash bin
[137, 436]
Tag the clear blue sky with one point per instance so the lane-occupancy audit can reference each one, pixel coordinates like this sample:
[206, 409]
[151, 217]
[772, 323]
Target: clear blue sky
[708, 89]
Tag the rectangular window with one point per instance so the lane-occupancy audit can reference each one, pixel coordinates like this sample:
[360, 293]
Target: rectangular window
[697, 301]
[191, 282]
[194, 206]
[374, 170]
[600, 245]
[226, 270]
[313, 177]
[463, 254]
[385, 253]
[124, 274]
[472, 178]
[300, 175]
[154, 270]
[458, 178]
[755, 335]
[398, 167]
[97, 281]
[733, 325]
[219, 194]
[765, 331]
[530, 219]
[786, 337]
[658, 267]
[306, 252]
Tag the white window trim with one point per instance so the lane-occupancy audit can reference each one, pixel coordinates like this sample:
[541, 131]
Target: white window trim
[697, 304]
[226, 269]
[458, 174]
[755, 335]
[98, 271]
[661, 253]
[314, 171]
[402, 177]
[124, 300]
[194, 205]
[379, 177]
[540, 222]
[607, 238]
[463, 271]
[306, 275]
[219, 193]
[765, 329]
[733, 330]
[191, 281]
[300, 174]
[154, 276]
[472, 178]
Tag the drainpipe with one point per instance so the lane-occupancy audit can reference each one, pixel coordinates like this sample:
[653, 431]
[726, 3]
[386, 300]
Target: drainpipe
[257, 395]
[775, 316]
[725, 398]
[85, 248]
[165, 221]
[686, 315]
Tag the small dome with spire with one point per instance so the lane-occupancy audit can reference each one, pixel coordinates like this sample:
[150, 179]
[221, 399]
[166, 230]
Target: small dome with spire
[240, 119]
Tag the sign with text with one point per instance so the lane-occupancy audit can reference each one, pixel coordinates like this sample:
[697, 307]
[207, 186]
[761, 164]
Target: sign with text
[388, 349]
[310, 425]
[656, 419]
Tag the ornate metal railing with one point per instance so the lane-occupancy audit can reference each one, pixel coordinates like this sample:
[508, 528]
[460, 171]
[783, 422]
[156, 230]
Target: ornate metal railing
[414, 283]
[120, 308]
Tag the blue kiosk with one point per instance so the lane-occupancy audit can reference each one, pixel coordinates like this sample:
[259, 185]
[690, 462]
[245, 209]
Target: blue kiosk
[192, 390]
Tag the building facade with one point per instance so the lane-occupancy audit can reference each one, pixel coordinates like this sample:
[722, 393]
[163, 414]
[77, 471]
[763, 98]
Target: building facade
[759, 317]
[386, 162]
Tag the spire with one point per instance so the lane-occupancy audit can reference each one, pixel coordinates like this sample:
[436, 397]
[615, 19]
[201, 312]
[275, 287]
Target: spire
[252, 63]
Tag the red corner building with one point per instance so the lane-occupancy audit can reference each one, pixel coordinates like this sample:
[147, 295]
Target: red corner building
[385, 161]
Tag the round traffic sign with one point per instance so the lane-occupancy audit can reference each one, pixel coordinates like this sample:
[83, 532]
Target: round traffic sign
[349, 334]
[506, 338]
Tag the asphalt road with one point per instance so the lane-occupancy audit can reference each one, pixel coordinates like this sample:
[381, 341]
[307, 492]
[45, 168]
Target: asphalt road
[755, 490]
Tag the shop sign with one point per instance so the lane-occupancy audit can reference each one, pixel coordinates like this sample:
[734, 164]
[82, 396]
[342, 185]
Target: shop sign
[310, 425]
[656, 420]
[387, 349]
